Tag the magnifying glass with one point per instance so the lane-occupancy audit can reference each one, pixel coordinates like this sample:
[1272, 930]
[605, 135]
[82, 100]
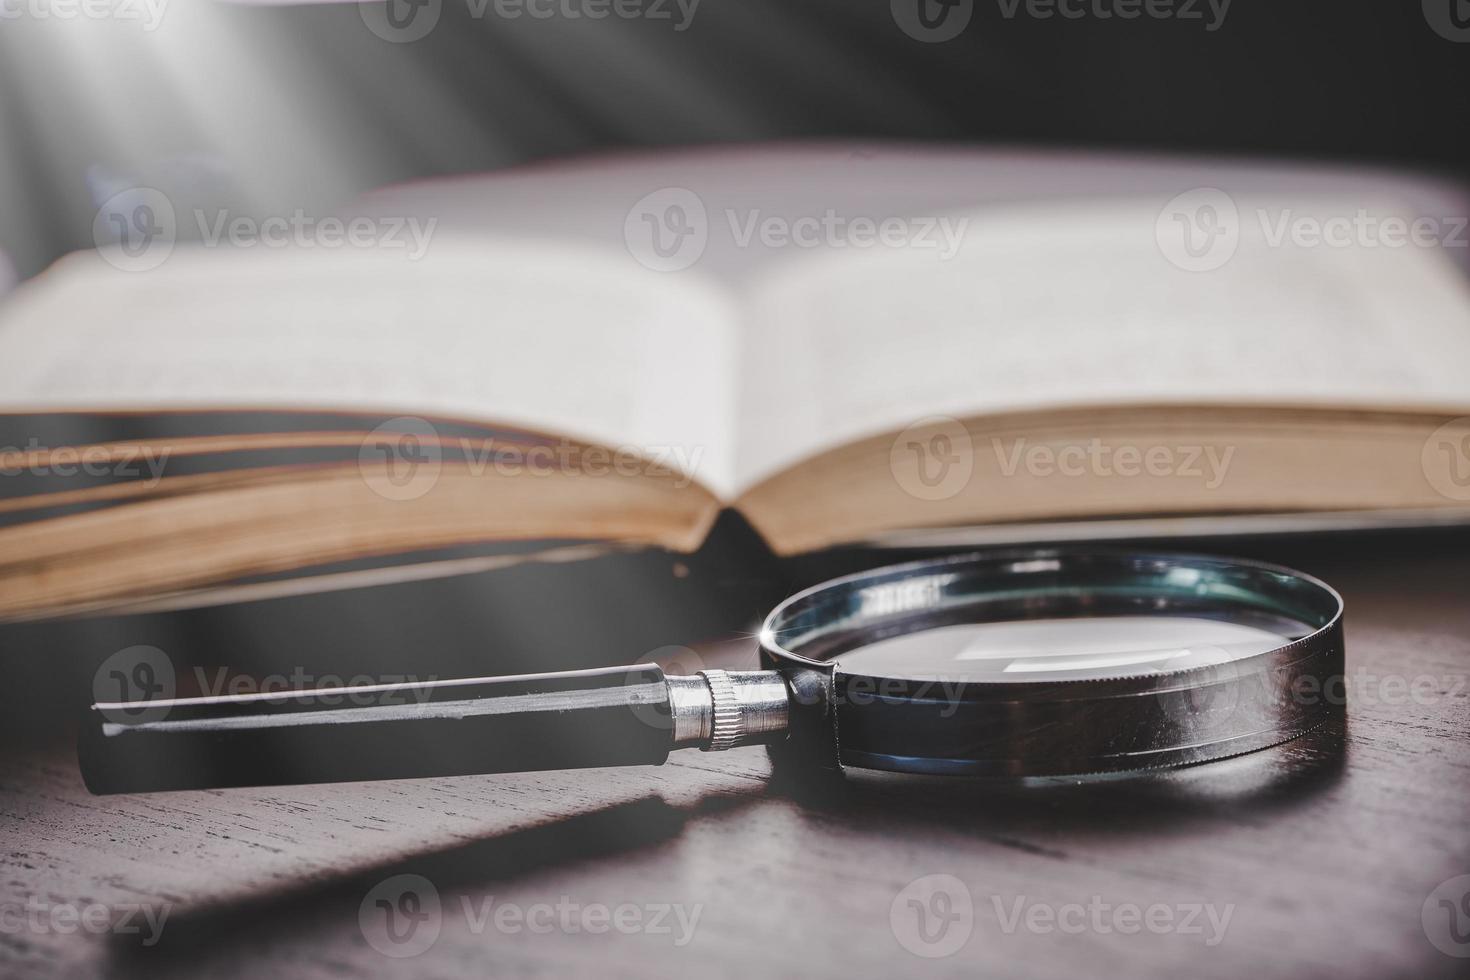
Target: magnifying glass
[1034, 663]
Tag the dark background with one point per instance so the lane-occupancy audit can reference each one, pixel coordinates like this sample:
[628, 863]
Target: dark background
[304, 106]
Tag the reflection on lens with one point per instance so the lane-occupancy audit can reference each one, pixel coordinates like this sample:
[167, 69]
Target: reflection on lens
[1083, 648]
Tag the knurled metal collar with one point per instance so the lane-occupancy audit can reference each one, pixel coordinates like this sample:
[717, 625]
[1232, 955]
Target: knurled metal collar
[729, 720]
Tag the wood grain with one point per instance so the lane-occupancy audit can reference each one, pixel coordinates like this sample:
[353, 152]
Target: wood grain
[1325, 849]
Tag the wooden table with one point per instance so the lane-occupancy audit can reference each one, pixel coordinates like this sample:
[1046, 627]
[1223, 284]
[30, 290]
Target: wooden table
[1323, 853]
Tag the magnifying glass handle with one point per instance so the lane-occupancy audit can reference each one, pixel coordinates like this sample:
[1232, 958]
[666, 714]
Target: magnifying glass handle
[617, 716]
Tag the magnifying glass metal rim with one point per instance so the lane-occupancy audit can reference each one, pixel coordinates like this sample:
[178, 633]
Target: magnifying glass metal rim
[844, 718]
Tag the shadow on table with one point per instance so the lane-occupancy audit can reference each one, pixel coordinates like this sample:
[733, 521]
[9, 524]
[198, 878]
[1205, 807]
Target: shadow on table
[220, 931]
[1026, 814]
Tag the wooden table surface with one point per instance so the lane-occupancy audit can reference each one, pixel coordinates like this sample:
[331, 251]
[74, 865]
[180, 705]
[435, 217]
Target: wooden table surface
[1320, 858]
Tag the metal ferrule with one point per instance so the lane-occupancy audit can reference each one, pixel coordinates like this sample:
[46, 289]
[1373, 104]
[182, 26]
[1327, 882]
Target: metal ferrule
[716, 710]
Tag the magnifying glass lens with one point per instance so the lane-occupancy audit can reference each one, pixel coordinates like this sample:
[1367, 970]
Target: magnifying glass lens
[1055, 662]
[1080, 648]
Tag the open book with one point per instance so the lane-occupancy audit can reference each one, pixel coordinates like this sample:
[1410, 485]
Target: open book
[838, 342]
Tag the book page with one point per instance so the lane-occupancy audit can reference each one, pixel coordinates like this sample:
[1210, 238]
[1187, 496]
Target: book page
[1076, 303]
[534, 306]
[521, 334]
